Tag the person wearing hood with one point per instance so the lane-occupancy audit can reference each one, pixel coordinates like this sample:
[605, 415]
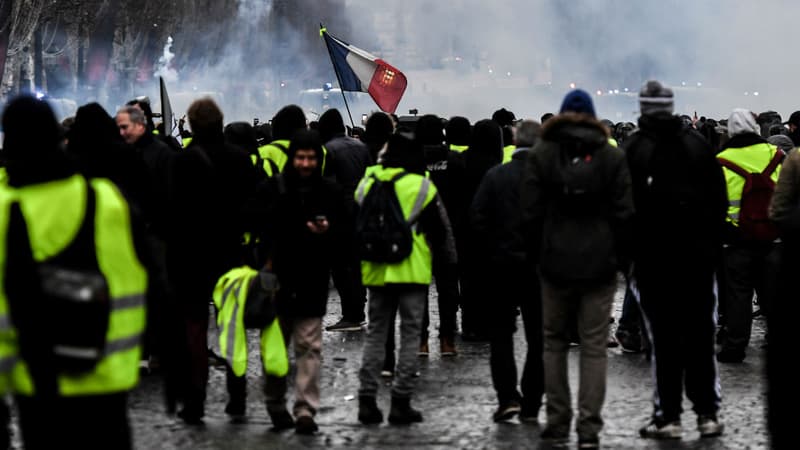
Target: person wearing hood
[349, 160]
[576, 206]
[485, 151]
[50, 214]
[495, 218]
[302, 227]
[446, 169]
[680, 200]
[750, 259]
[210, 182]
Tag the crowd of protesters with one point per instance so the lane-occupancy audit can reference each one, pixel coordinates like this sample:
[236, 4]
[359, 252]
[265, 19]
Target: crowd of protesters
[509, 217]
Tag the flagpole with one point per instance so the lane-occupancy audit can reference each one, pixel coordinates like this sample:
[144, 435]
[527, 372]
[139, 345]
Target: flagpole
[323, 30]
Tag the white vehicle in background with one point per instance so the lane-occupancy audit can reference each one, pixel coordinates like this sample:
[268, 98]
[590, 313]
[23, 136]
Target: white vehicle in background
[318, 100]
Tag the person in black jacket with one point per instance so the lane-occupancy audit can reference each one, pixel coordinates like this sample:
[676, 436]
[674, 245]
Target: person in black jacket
[576, 209]
[447, 170]
[303, 225]
[495, 220]
[209, 184]
[485, 151]
[349, 159]
[681, 202]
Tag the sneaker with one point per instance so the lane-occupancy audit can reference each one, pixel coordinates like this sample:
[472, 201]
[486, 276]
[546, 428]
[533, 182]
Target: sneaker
[589, 443]
[345, 325]
[709, 426]
[730, 356]
[506, 411]
[669, 430]
[447, 347]
[305, 425]
[386, 373]
[423, 349]
[191, 416]
[554, 438]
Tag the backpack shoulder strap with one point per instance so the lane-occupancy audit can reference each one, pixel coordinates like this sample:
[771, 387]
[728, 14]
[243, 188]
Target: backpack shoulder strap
[773, 164]
[419, 203]
[283, 148]
[733, 167]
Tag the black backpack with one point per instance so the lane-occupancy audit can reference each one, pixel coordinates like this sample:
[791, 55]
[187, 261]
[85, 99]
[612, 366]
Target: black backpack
[384, 235]
[67, 295]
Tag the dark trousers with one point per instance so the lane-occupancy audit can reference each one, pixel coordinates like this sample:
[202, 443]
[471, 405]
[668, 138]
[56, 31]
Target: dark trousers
[353, 295]
[782, 393]
[446, 278]
[190, 376]
[98, 421]
[747, 269]
[679, 314]
[517, 287]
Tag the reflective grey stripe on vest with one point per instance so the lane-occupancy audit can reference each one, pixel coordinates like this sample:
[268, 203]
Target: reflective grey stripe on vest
[232, 323]
[7, 364]
[123, 344]
[5, 323]
[127, 302]
[419, 203]
[111, 347]
[735, 203]
[361, 192]
[226, 293]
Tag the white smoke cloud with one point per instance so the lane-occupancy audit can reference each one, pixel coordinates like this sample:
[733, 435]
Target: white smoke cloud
[163, 68]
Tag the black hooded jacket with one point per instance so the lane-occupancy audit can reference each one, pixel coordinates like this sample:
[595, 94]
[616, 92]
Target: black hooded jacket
[576, 203]
[679, 195]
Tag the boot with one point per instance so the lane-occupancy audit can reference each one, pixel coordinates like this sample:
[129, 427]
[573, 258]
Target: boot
[447, 346]
[368, 411]
[402, 413]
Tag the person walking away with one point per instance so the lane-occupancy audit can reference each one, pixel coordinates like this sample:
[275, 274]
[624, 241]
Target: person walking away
[210, 182]
[750, 256]
[399, 286]
[495, 215]
[349, 160]
[681, 202]
[576, 208]
[55, 222]
[447, 170]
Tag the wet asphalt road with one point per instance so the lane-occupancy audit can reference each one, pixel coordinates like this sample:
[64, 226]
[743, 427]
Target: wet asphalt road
[457, 401]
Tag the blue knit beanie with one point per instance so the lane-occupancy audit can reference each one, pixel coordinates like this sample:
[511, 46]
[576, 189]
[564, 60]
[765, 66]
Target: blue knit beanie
[578, 101]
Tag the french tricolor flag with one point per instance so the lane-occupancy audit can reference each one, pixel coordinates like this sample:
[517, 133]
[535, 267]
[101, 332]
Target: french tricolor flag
[360, 71]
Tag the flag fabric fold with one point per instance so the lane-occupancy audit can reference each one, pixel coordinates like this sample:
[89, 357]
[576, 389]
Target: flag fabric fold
[360, 71]
[166, 108]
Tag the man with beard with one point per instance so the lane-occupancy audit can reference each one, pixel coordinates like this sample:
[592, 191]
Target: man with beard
[302, 231]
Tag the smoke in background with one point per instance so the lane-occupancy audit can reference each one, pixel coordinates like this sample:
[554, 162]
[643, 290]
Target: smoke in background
[470, 57]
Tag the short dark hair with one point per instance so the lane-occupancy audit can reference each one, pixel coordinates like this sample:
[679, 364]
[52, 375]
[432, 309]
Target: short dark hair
[204, 114]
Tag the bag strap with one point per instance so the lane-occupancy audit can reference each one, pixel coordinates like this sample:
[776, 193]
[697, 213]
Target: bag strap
[773, 164]
[733, 167]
